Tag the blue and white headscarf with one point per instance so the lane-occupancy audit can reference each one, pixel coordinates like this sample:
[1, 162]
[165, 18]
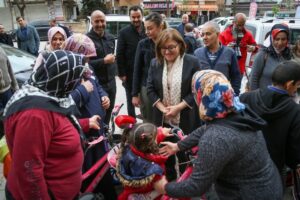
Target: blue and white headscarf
[214, 95]
[49, 86]
[59, 73]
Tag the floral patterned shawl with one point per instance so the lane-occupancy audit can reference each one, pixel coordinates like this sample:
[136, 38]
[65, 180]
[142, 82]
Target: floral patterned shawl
[214, 95]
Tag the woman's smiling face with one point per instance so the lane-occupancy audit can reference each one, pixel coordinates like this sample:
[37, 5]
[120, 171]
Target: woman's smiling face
[57, 41]
[170, 50]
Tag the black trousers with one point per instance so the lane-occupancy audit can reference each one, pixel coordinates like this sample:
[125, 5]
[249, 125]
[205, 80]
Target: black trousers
[171, 173]
[128, 88]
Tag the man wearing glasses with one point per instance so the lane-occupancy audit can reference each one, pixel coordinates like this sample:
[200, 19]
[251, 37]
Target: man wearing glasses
[217, 56]
[239, 38]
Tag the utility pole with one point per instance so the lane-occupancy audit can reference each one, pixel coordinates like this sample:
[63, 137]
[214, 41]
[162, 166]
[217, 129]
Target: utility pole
[168, 8]
[234, 8]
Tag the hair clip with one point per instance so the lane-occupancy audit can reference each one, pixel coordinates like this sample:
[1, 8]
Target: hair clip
[130, 126]
[143, 135]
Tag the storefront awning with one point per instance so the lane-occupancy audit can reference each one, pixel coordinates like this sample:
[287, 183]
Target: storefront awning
[129, 3]
[187, 8]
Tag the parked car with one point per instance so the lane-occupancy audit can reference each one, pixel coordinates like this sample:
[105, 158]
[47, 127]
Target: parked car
[261, 30]
[114, 23]
[22, 62]
[42, 27]
[223, 22]
[173, 22]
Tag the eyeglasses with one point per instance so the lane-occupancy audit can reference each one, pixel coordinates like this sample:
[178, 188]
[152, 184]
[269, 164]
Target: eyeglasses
[169, 48]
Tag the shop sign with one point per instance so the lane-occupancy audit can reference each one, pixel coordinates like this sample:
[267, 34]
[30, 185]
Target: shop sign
[156, 5]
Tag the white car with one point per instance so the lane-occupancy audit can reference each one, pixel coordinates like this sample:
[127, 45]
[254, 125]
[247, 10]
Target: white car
[222, 21]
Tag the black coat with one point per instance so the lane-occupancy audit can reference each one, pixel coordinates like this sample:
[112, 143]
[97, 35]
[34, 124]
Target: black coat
[67, 31]
[191, 44]
[6, 39]
[145, 52]
[189, 117]
[104, 46]
[128, 40]
[283, 131]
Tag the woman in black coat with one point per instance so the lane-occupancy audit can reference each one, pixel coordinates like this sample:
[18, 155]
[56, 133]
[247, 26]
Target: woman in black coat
[169, 83]
[169, 89]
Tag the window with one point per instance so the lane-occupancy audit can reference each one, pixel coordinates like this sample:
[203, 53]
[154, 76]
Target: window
[295, 34]
[252, 29]
[112, 28]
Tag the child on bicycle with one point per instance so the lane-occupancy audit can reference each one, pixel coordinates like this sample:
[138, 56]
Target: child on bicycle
[139, 164]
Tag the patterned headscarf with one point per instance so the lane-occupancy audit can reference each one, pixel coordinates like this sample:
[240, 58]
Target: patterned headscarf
[59, 73]
[80, 43]
[52, 31]
[214, 95]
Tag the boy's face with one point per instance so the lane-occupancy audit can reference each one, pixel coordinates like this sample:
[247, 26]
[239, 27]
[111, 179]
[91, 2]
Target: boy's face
[292, 87]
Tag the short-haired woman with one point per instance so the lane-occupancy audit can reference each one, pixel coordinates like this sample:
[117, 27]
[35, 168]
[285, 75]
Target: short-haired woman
[168, 87]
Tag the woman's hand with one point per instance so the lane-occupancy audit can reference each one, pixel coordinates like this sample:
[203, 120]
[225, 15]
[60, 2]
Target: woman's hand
[172, 111]
[167, 132]
[175, 110]
[94, 122]
[160, 106]
[105, 102]
[159, 185]
[168, 149]
[136, 101]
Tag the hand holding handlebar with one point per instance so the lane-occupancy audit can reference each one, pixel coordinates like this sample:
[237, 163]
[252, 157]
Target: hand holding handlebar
[168, 149]
[94, 122]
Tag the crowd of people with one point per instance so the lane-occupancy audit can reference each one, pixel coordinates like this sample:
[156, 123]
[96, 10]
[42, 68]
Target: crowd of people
[246, 141]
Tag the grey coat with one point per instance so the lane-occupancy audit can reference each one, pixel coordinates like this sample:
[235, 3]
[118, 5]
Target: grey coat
[263, 68]
[30, 42]
[7, 78]
[233, 156]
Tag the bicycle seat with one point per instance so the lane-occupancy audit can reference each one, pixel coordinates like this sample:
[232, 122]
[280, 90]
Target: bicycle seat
[122, 121]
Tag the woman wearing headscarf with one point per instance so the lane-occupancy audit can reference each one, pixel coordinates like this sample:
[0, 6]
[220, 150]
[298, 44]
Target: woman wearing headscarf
[56, 37]
[91, 99]
[232, 151]
[42, 133]
[267, 59]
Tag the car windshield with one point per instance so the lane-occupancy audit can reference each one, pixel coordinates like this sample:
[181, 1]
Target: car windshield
[19, 60]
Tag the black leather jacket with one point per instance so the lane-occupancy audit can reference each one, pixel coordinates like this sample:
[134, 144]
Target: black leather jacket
[104, 46]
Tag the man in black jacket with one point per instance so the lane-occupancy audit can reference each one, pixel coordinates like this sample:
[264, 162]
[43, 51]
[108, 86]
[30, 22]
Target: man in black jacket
[128, 40]
[275, 105]
[4, 37]
[104, 65]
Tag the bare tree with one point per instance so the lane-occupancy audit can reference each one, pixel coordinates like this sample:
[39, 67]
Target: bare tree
[21, 4]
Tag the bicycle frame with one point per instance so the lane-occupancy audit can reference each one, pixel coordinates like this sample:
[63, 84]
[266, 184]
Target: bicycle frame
[102, 165]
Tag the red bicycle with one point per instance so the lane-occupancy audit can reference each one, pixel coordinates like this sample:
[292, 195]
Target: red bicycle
[101, 167]
[177, 132]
